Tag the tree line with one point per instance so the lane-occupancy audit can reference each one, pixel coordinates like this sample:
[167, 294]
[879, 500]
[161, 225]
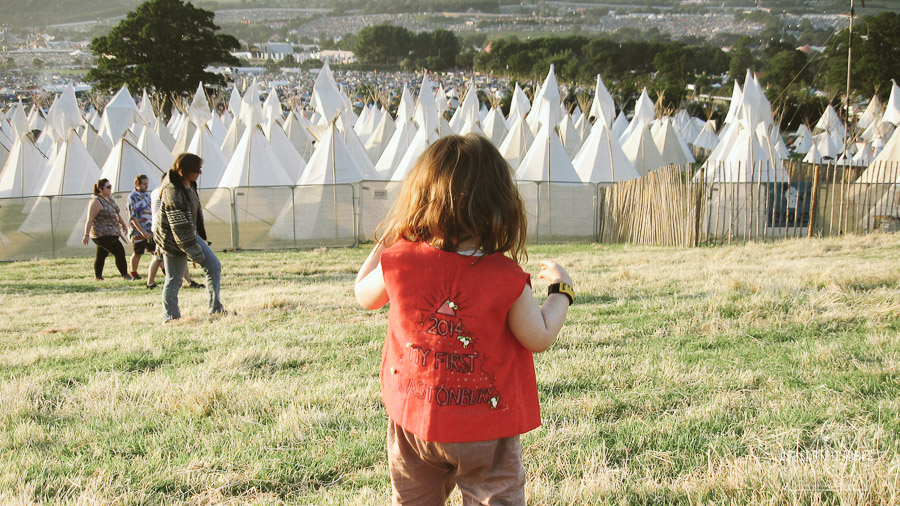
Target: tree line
[395, 46]
[793, 77]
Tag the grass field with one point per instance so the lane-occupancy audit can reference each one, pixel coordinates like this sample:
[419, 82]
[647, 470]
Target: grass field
[751, 374]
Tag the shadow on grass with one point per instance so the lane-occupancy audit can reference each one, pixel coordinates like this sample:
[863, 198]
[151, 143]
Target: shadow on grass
[140, 363]
[36, 289]
[345, 279]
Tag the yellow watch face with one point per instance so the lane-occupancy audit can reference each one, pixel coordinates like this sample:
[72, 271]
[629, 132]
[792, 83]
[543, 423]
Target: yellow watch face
[564, 289]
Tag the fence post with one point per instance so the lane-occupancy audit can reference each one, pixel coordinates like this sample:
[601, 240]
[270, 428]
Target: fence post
[813, 202]
[52, 229]
[697, 206]
[358, 211]
[354, 201]
[235, 238]
[293, 218]
[537, 228]
[596, 228]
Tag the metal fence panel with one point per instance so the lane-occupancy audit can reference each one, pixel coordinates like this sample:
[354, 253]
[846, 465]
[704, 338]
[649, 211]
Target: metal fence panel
[16, 244]
[530, 196]
[375, 200]
[318, 215]
[47, 226]
[260, 213]
[218, 218]
[563, 212]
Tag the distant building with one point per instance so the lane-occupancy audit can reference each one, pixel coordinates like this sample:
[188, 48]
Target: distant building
[335, 56]
[247, 55]
[9, 41]
[274, 51]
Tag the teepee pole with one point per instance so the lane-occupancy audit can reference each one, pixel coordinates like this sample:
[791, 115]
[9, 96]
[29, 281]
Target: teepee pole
[334, 208]
[849, 117]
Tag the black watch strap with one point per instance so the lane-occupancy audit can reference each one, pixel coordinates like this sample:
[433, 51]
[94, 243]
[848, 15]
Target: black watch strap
[563, 288]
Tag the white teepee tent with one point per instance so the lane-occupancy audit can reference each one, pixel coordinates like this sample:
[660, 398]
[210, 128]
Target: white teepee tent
[603, 108]
[601, 159]
[125, 162]
[118, 116]
[22, 173]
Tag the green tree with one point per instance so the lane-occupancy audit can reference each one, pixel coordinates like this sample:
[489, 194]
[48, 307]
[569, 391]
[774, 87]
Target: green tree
[672, 63]
[270, 65]
[288, 61]
[876, 56]
[741, 58]
[383, 44]
[445, 46]
[466, 59]
[786, 69]
[164, 45]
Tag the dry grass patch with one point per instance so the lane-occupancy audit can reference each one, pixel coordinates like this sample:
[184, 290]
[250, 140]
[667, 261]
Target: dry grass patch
[748, 374]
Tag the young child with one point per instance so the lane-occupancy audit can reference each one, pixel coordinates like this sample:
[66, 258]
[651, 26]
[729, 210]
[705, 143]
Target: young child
[457, 374]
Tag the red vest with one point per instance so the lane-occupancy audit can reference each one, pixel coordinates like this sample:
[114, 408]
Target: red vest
[451, 370]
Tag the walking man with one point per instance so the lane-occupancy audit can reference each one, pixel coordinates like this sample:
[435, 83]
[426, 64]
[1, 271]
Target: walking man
[140, 216]
[179, 232]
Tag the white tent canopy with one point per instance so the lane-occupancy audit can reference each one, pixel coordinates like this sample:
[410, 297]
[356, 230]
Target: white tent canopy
[671, 145]
[125, 162]
[254, 163]
[603, 108]
[707, 138]
[547, 160]
[21, 175]
[642, 152]
[892, 110]
[333, 162]
[379, 138]
[214, 161]
[150, 144]
[520, 105]
[601, 159]
[73, 171]
[118, 116]
[404, 133]
[199, 112]
[516, 142]
[64, 114]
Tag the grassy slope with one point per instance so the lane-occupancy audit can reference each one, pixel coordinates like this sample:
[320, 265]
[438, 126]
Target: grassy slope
[761, 374]
[39, 13]
[42, 12]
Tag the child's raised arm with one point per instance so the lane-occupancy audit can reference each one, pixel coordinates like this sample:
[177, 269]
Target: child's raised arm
[369, 286]
[537, 327]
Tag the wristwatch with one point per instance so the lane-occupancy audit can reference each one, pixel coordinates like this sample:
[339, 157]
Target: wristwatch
[563, 288]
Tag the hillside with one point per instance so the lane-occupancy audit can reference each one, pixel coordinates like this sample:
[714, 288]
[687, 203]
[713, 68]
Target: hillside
[21, 13]
[36, 13]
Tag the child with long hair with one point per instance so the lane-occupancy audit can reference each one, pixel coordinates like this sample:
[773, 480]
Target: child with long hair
[457, 373]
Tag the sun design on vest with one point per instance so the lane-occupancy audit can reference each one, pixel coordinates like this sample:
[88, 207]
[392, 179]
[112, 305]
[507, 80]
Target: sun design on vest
[448, 308]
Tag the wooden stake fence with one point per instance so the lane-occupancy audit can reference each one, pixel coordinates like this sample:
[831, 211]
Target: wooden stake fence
[675, 206]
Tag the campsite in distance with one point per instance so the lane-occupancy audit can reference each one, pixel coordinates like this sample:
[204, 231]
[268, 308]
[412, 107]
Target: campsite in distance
[727, 211]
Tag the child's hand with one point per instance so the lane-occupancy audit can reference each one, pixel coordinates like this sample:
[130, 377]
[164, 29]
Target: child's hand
[554, 273]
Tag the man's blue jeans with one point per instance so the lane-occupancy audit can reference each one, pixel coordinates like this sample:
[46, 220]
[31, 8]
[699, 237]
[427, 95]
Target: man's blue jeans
[175, 266]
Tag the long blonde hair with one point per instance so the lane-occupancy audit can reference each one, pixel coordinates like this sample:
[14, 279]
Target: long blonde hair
[460, 189]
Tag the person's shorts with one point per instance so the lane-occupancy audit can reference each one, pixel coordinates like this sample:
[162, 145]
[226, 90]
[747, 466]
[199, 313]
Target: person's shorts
[144, 245]
[425, 472]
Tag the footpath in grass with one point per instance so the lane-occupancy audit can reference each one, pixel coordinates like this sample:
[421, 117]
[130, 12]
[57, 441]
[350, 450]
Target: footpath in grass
[747, 374]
